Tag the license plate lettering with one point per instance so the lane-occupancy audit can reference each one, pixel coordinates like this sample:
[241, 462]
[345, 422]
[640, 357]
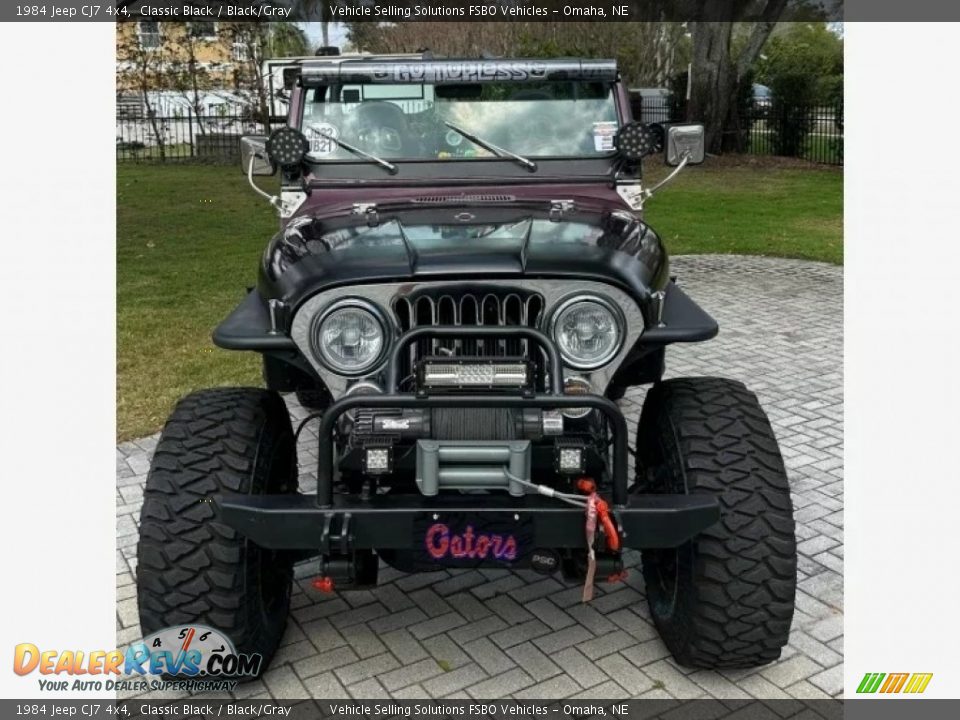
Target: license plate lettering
[441, 543]
[456, 539]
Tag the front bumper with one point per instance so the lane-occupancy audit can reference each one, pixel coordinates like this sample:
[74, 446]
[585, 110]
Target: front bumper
[327, 524]
[389, 522]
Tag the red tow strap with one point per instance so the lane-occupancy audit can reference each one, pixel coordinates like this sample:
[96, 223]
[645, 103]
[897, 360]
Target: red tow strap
[597, 509]
[589, 487]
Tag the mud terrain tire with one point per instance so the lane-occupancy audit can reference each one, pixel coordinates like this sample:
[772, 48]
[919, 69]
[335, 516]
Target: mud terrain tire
[192, 569]
[725, 599]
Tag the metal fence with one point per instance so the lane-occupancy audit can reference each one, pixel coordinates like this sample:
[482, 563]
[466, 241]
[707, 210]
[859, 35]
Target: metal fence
[813, 133]
[184, 136]
[808, 133]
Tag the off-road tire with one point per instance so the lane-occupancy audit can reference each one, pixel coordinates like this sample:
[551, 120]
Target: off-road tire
[192, 569]
[725, 599]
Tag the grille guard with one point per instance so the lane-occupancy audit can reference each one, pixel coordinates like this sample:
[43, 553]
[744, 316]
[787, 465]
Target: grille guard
[340, 524]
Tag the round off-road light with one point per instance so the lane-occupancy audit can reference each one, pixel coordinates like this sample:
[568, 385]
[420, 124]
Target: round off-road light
[350, 337]
[287, 146]
[635, 141]
[588, 331]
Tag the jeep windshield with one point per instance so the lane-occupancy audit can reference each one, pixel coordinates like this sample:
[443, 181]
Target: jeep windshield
[416, 121]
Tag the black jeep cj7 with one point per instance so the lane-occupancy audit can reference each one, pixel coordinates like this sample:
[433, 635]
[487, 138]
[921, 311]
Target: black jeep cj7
[461, 290]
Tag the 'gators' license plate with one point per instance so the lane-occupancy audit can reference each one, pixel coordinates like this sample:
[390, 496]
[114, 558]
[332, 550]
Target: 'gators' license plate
[472, 539]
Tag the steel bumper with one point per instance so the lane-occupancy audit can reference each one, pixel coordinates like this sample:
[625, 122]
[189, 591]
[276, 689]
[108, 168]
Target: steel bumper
[330, 523]
[388, 521]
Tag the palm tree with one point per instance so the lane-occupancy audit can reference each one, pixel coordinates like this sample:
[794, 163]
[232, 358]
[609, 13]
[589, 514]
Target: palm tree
[286, 39]
[316, 10]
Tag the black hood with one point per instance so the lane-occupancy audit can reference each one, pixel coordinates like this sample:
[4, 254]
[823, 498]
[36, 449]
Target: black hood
[468, 243]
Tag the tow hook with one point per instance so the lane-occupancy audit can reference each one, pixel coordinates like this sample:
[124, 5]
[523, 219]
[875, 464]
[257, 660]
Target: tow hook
[617, 576]
[323, 584]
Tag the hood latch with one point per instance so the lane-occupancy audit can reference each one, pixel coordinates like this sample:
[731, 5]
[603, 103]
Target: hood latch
[559, 207]
[368, 210]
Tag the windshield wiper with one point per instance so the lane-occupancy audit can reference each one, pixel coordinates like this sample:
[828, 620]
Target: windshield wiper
[389, 166]
[495, 149]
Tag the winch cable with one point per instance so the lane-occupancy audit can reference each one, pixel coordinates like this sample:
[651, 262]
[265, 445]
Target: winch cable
[586, 486]
[576, 500]
[596, 509]
[473, 423]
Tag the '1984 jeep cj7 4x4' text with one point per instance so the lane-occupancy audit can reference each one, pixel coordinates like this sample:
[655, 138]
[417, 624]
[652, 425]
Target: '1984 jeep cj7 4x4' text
[461, 289]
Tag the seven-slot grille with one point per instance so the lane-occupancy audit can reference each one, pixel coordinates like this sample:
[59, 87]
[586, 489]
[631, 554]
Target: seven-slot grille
[497, 307]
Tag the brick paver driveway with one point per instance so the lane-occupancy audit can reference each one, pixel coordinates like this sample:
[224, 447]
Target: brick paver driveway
[497, 633]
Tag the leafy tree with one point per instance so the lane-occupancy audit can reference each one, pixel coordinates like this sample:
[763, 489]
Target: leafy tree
[255, 43]
[285, 39]
[804, 68]
[805, 49]
[143, 66]
[184, 72]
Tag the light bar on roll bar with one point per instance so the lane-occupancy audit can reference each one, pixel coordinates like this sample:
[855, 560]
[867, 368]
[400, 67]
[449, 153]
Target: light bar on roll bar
[456, 72]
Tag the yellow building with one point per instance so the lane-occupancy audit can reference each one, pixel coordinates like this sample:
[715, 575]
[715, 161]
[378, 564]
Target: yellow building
[164, 48]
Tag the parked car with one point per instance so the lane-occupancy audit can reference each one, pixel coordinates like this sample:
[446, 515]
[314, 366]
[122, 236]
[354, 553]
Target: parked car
[762, 100]
[461, 289]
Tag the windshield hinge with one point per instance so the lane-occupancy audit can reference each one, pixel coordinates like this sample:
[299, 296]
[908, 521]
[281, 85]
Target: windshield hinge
[369, 210]
[559, 207]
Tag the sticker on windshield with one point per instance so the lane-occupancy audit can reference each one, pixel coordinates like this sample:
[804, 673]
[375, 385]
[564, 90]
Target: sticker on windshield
[319, 135]
[603, 134]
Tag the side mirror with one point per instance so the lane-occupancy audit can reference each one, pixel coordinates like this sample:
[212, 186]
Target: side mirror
[254, 147]
[683, 141]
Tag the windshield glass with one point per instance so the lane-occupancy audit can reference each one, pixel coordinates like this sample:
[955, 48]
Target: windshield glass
[408, 121]
[490, 236]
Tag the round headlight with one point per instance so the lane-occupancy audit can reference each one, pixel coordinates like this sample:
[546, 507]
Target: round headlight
[350, 337]
[588, 332]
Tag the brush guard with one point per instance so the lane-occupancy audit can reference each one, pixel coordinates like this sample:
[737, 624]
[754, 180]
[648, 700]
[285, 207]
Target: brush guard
[341, 525]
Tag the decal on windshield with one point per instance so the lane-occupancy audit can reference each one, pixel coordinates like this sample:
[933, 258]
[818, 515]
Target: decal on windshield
[603, 134]
[321, 146]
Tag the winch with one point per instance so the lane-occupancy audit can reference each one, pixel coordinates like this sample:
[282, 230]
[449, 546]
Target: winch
[451, 424]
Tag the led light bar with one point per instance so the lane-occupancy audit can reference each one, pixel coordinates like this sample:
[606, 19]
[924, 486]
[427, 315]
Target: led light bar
[474, 374]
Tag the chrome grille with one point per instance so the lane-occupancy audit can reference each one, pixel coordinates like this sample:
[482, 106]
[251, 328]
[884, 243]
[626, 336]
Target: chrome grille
[494, 307]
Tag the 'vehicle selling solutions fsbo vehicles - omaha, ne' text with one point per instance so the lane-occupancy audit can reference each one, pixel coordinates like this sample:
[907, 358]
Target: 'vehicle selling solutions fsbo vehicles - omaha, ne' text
[461, 289]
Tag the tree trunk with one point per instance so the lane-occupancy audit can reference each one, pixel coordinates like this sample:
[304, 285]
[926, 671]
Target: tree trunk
[716, 75]
[714, 82]
[152, 117]
[197, 105]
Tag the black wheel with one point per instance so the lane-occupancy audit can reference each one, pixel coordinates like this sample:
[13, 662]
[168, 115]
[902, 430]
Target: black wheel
[191, 568]
[725, 599]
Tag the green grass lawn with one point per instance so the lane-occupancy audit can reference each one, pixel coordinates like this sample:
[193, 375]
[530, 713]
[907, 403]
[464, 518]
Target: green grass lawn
[189, 239]
[784, 212]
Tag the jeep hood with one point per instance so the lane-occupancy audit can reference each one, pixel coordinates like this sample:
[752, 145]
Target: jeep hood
[463, 240]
